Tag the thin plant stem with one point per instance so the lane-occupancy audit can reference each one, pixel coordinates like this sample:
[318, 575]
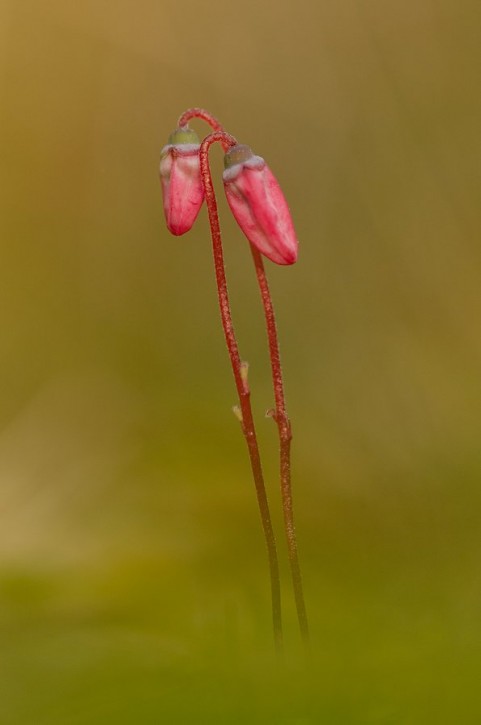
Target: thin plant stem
[204, 115]
[285, 437]
[239, 370]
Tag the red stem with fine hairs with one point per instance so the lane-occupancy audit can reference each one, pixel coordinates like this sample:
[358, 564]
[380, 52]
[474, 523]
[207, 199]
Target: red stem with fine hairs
[239, 369]
[199, 113]
[285, 437]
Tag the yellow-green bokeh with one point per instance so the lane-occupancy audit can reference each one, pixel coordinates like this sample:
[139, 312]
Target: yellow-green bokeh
[133, 576]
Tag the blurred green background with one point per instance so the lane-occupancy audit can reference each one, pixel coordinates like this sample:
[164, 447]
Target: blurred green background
[133, 575]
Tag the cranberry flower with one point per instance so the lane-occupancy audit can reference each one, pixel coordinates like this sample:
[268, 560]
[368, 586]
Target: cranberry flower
[182, 187]
[259, 207]
[258, 204]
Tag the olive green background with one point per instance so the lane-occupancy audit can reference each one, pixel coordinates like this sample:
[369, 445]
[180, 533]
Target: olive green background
[133, 574]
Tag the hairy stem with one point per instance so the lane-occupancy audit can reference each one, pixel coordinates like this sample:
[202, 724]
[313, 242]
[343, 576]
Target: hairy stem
[204, 115]
[239, 370]
[285, 437]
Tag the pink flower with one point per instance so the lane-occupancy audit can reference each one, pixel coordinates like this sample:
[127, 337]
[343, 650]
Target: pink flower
[259, 206]
[181, 181]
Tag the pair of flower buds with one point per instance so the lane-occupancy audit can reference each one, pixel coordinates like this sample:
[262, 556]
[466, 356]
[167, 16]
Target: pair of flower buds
[252, 191]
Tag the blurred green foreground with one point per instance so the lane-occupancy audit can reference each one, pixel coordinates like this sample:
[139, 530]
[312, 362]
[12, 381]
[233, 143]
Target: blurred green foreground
[133, 575]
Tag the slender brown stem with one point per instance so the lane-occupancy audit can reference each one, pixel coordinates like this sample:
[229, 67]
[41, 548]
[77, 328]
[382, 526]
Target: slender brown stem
[239, 370]
[285, 437]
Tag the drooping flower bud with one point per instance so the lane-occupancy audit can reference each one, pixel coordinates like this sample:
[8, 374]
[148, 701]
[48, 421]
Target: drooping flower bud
[181, 181]
[259, 206]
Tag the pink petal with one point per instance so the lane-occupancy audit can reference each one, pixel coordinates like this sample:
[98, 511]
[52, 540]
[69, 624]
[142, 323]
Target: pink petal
[182, 188]
[260, 208]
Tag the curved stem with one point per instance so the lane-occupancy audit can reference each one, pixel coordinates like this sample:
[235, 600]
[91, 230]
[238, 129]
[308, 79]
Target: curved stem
[208, 118]
[239, 370]
[199, 113]
[285, 437]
